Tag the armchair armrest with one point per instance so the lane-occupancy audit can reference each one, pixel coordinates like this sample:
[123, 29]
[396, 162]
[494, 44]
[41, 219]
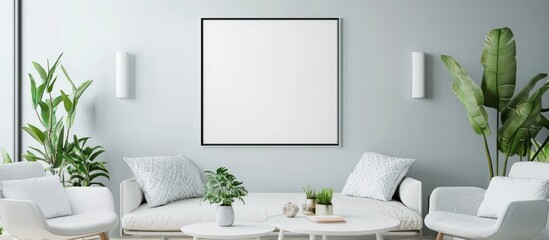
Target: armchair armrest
[131, 196]
[18, 216]
[410, 192]
[523, 220]
[90, 199]
[464, 200]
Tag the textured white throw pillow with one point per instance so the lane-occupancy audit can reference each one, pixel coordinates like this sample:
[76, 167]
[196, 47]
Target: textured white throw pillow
[46, 192]
[166, 179]
[504, 190]
[377, 176]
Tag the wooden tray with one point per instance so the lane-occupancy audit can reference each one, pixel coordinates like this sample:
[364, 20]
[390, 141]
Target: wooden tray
[326, 219]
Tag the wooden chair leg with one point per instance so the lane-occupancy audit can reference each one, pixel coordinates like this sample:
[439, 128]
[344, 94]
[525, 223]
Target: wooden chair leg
[104, 236]
[440, 236]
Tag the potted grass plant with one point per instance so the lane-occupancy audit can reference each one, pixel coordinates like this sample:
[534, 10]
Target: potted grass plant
[310, 203]
[324, 202]
[222, 188]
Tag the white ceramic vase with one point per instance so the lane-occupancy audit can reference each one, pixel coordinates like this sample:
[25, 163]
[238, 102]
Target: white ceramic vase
[322, 209]
[225, 216]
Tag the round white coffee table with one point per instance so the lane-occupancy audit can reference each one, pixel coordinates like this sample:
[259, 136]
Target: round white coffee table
[238, 230]
[353, 226]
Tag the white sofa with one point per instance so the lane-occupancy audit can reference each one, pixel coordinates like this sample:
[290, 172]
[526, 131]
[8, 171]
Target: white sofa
[137, 219]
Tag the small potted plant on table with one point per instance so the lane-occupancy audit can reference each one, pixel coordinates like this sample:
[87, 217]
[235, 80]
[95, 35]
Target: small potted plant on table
[223, 188]
[324, 202]
[309, 205]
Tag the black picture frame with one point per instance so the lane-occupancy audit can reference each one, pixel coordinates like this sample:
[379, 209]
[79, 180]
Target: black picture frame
[335, 144]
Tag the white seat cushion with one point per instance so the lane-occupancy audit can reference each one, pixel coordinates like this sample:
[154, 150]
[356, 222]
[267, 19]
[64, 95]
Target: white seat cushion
[456, 224]
[82, 224]
[173, 216]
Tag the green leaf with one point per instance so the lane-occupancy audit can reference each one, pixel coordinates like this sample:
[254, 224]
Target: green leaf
[41, 71]
[97, 183]
[6, 156]
[68, 78]
[80, 90]
[56, 101]
[470, 95]
[521, 96]
[543, 155]
[516, 130]
[500, 68]
[52, 70]
[94, 155]
[61, 139]
[45, 113]
[35, 133]
[99, 174]
[40, 92]
[33, 91]
[30, 157]
[50, 87]
[66, 102]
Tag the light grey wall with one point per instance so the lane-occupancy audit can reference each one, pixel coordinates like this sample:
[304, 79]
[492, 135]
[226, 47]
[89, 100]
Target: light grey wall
[378, 112]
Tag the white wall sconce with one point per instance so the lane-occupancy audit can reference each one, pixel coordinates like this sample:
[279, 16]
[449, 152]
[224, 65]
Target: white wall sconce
[418, 75]
[122, 75]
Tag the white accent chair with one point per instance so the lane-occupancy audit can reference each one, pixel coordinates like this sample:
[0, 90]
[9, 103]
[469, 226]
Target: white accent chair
[453, 210]
[92, 208]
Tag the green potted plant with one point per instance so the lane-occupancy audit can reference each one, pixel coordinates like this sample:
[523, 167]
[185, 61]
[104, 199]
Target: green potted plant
[53, 131]
[519, 116]
[56, 150]
[324, 202]
[83, 167]
[310, 202]
[222, 188]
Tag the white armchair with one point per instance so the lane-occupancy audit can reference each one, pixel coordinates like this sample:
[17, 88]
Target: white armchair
[453, 211]
[92, 208]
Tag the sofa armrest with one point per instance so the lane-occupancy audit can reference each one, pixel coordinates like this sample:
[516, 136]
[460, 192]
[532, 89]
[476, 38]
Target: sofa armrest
[90, 199]
[464, 200]
[410, 192]
[523, 220]
[131, 196]
[18, 216]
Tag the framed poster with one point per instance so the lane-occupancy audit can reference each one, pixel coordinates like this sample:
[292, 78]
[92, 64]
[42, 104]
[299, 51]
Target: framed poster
[270, 81]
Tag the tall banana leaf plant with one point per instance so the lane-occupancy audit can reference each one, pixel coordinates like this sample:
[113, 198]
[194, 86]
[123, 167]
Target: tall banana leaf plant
[519, 116]
[54, 130]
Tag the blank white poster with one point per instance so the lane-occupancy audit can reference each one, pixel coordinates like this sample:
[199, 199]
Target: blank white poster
[270, 81]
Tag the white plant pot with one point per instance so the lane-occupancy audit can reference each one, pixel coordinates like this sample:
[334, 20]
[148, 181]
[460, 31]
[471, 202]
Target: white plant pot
[322, 209]
[225, 216]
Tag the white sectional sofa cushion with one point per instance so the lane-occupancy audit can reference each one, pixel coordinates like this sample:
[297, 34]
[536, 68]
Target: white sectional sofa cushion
[139, 220]
[259, 206]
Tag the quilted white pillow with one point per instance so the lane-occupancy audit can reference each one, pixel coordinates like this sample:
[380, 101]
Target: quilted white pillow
[377, 176]
[46, 192]
[166, 179]
[504, 190]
